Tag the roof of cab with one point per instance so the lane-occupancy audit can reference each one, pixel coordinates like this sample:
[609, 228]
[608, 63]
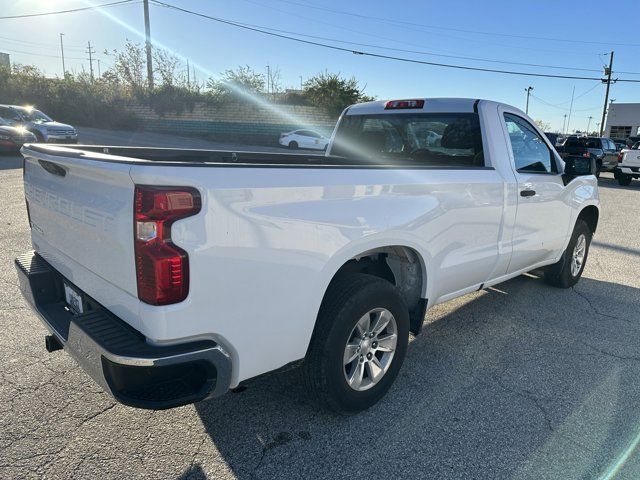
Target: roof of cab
[431, 105]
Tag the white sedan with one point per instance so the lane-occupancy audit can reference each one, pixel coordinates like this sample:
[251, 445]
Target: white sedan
[303, 139]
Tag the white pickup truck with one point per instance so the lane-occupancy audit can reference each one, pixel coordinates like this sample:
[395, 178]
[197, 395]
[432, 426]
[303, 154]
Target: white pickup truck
[174, 275]
[628, 165]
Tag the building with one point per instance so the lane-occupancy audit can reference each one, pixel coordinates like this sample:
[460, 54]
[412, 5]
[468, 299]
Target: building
[5, 60]
[623, 120]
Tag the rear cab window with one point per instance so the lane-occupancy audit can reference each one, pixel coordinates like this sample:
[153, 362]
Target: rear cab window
[530, 152]
[421, 139]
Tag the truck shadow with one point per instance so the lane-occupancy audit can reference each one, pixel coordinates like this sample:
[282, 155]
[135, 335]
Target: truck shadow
[610, 182]
[519, 381]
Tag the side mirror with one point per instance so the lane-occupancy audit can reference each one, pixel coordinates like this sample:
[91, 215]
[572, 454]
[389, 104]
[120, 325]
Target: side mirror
[575, 166]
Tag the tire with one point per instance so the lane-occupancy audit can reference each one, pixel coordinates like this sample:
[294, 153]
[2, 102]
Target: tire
[624, 180]
[563, 274]
[293, 145]
[39, 136]
[598, 169]
[345, 305]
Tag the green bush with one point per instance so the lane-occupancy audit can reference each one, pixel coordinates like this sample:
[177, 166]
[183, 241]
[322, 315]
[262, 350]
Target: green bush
[72, 99]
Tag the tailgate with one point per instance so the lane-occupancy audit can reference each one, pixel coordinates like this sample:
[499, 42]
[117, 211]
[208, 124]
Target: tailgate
[631, 158]
[81, 215]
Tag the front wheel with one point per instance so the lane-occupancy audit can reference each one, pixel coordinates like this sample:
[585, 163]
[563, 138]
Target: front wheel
[293, 145]
[358, 345]
[568, 270]
[39, 136]
[624, 180]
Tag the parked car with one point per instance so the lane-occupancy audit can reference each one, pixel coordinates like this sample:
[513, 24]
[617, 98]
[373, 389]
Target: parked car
[553, 137]
[303, 139]
[44, 128]
[620, 145]
[601, 148]
[12, 138]
[242, 264]
[628, 165]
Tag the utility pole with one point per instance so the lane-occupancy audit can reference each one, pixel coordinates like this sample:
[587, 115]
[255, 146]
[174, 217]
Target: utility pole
[301, 83]
[90, 51]
[188, 76]
[589, 124]
[528, 90]
[99, 74]
[147, 33]
[564, 123]
[64, 70]
[607, 72]
[571, 106]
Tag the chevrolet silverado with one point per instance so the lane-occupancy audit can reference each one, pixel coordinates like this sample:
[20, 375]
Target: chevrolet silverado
[172, 276]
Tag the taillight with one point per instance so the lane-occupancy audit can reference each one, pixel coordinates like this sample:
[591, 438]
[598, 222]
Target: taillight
[162, 268]
[620, 155]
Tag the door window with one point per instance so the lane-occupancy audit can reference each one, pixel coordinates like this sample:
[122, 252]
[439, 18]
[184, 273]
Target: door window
[530, 152]
[9, 114]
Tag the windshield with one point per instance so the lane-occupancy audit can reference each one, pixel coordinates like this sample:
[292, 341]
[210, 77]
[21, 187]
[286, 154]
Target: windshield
[33, 115]
[441, 139]
[3, 122]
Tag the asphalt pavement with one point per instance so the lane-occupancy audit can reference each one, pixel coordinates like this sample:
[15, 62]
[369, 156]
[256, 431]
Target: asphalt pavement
[520, 381]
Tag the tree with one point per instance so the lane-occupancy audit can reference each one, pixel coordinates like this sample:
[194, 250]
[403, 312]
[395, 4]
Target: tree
[130, 65]
[544, 126]
[239, 84]
[333, 92]
[166, 65]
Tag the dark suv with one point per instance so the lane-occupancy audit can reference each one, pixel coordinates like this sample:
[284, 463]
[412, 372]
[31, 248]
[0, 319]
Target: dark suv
[602, 148]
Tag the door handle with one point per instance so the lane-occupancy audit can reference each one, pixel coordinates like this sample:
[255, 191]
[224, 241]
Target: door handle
[527, 193]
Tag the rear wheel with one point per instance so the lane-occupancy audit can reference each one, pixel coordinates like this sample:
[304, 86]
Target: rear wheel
[598, 168]
[358, 345]
[293, 145]
[624, 179]
[568, 270]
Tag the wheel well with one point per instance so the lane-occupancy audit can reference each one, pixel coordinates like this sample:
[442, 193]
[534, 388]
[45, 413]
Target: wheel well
[399, 265]
[590, 215]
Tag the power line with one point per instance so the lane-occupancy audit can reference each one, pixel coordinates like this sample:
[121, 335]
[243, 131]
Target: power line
[585, 93]
[73, 10]
[342, 28]
[23, 43]
[407, 43]
[40, 54]
[563, 108]
[461, 30]
[378, 55]
[421, 52]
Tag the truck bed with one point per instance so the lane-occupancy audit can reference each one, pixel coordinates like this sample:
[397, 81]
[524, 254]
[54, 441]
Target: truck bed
[222, 158]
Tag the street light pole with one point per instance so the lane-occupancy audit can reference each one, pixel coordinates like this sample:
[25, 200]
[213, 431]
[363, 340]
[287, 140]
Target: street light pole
[528, 90]
[64, 70]
[564, 123]
[589, 124]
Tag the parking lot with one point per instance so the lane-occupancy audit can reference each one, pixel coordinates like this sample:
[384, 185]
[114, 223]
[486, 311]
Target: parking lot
[517, 381]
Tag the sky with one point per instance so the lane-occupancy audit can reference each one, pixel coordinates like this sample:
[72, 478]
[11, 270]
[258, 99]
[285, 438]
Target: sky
[575, 34]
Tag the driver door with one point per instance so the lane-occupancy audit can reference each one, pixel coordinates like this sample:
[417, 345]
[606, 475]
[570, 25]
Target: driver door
[542, 215]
